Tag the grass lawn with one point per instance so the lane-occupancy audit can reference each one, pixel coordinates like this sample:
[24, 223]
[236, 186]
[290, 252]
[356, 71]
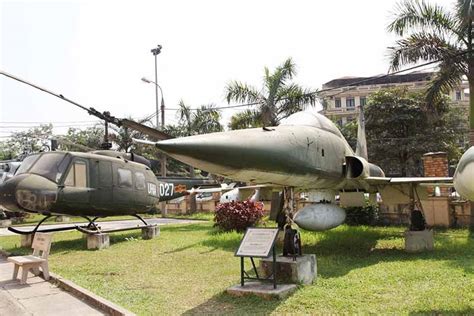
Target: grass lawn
[187, 269]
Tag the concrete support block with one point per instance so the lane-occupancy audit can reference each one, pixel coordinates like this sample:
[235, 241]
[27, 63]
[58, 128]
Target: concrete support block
[150, 232]
[63, 219]
[263, 290]
[26, 240]
[5, 223]
[301, 271]
[418, 241]
[98, 241]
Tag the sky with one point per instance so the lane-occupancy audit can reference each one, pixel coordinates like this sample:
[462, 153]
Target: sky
[96, 52]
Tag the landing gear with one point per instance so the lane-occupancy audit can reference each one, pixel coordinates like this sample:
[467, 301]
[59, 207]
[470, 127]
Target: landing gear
[292, 239]
[90, 228]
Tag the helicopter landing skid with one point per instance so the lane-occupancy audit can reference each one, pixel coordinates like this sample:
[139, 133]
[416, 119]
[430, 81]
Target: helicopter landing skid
[91, 224]
[84, 230]
[96, 230]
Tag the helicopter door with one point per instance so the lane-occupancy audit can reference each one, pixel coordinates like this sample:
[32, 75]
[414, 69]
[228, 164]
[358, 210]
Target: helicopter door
[102, 197]
[76, 185]
[123, 192]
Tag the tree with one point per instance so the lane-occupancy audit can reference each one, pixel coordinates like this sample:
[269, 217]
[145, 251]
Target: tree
[399, 131]
[278, 98]
[432, 33]
[24, 143]
[82, 139]
[200, 121]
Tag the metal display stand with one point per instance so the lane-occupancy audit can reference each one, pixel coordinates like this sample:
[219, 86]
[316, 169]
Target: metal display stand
[257, 243]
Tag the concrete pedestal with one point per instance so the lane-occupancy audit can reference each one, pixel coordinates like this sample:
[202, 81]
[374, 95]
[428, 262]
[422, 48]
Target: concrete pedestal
[63, 219]
[98, 241]
[301, 271]
[418, 241]
[150, 232]
[264, 290]
[26, 240]
[5, 223]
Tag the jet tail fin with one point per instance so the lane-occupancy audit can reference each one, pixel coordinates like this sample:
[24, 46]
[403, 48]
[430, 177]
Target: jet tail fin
[361, 148]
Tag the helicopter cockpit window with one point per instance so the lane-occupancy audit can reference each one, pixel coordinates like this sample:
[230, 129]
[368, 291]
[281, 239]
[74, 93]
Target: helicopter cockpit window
[124, 178]
[77, 176]
[26, 164]
[140, 180]
[49, 165]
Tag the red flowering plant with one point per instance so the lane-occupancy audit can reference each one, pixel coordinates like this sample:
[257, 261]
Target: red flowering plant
[238, 215]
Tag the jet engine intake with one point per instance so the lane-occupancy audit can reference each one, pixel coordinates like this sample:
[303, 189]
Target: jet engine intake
[357, 167]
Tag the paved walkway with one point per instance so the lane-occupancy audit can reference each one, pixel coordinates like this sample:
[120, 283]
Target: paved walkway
[106, 225]
[37, 297]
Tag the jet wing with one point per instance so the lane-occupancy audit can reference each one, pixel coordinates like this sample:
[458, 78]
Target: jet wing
[439, 181]
[399, 190]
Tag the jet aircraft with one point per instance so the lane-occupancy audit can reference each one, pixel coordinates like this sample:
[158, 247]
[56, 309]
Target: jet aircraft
[306, 153]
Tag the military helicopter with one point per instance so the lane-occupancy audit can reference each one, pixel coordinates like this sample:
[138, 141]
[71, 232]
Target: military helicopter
[91, 184]
[96, 184]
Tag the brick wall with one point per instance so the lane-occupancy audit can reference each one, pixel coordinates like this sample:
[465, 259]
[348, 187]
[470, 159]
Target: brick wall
[436, 165]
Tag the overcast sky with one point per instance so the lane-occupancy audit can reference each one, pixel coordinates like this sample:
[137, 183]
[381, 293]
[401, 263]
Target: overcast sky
[95, 52]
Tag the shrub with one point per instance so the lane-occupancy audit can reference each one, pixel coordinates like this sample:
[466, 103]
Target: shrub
[367, 215]
[238, 215]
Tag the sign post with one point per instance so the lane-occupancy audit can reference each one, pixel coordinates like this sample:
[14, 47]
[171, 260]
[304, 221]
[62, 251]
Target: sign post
[258, 243]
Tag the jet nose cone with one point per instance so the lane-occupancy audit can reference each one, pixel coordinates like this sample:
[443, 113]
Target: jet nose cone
[464, 176]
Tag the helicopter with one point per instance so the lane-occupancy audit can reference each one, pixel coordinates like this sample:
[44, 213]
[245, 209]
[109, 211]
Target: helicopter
[90, 185]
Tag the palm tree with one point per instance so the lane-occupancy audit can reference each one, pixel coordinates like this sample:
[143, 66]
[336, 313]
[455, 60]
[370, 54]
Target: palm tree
[429, 33]
[200, 121]
[277, 99]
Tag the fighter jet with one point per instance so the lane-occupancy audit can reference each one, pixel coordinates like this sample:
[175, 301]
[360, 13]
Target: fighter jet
[306, 153]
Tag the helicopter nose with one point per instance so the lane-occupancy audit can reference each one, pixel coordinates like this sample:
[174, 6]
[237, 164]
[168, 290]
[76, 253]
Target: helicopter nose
[464, 176]
[28, 192]
[7, 193]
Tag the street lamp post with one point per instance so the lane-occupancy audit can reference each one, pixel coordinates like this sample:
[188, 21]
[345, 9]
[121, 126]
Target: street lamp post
[156, 51]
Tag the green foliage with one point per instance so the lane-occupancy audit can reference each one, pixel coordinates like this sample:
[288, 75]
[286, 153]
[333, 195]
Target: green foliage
[349, 131]
[24, 143]
[399, 130]
[366, 215]
[430, 32]
[245, 119]
[278, 98]
[238, 215]
[82, 139]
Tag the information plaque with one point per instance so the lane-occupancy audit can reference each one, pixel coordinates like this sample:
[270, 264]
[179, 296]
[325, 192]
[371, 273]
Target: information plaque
[257, 242]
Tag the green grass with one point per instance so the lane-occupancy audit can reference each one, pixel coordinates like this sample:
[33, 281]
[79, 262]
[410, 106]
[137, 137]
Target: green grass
[187, 269]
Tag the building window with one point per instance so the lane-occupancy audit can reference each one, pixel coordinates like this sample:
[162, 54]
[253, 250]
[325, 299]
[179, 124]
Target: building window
[338, 102]
[458, 95]
[363, 101]
[124, 178]
[350, 103]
